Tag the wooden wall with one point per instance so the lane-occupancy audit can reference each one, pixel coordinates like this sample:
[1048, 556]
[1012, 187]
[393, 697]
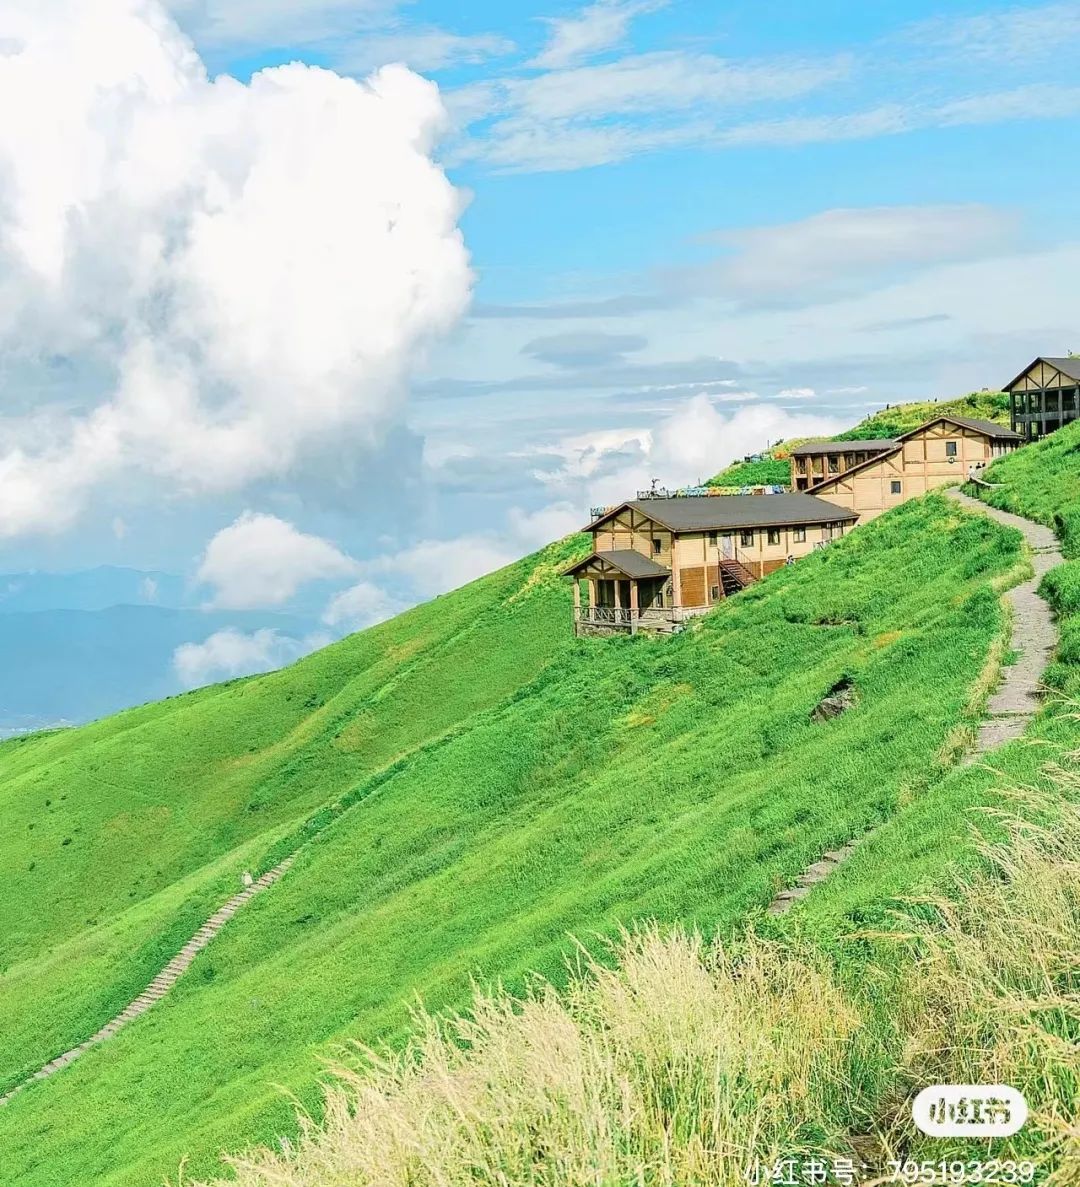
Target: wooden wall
[921, 465]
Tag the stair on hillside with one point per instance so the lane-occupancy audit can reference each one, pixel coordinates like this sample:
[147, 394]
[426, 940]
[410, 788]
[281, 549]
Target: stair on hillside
[734, 576]
[164, 979]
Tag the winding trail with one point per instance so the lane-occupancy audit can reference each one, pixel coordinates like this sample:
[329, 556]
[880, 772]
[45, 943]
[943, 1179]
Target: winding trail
[1017, 698]
[164, 981]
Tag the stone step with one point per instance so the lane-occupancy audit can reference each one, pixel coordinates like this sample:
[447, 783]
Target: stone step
[163, 981]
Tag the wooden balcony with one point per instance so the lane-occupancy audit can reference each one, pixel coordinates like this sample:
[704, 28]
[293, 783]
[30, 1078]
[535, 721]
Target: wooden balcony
[610, 619]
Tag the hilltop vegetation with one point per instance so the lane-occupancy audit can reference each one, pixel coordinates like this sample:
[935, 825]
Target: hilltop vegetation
[902, 418]
[889, 422]
[770, 471]
[466, 785]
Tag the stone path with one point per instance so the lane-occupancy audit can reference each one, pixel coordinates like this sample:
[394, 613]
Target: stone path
[1017, 699]
[165, 979]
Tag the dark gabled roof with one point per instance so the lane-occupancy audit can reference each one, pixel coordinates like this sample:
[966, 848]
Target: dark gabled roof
[1070, 367]
[988, 428]
[879, 446]
[716, 512]
[629, 562]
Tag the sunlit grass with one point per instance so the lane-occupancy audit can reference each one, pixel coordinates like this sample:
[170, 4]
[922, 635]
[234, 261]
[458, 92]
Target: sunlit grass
[690, 1062]
[470, 787]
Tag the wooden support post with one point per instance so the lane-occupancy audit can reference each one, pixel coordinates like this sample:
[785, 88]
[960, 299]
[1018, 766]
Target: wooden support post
[633, 606]
[577, 605]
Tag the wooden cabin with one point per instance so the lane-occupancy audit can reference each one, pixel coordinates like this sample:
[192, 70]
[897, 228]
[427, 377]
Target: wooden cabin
[657, 562]
[814, 461]
[1044, 396]
[942, 452]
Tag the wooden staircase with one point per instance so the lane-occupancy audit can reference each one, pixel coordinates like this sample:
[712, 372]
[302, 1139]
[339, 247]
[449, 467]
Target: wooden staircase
[734, 576]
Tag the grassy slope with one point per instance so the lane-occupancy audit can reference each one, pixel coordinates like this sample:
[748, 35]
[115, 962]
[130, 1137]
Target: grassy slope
[551, 787]
[889, 422]
[768, 472]
[122, 836]
[1041, 482]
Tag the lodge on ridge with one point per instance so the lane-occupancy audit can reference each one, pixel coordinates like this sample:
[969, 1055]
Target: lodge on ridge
[660, 559]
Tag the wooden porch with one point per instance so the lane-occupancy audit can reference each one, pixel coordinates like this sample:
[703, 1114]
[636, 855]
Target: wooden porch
[628, 591]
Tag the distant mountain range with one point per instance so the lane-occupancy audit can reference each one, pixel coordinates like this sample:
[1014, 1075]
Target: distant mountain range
[77, 646]
[93, 589]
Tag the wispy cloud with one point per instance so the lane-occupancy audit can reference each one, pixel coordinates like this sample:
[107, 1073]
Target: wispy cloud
[262, 23]
[1015, 35]
[575, 349]
[424, 49]
[595, 114]
[574, 113]
[824, 257]
[598, 27]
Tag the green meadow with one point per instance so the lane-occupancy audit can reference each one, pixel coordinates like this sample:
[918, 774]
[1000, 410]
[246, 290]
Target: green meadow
[466, 787]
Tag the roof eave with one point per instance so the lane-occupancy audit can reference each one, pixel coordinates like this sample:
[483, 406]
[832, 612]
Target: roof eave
[632, 503]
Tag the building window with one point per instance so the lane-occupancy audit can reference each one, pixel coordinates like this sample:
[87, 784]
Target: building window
[746, 539]
[712, 539]
[656, 546]
[950, 449]
[714, 592]
[774, 535]
[894, 486]
[834, 464]
[798, 535]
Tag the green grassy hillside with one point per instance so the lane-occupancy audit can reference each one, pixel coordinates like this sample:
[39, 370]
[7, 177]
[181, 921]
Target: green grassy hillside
[122, 836]
[889, 422]
[836, 1014]
[467, 785]
[769, 471]
[902, 418]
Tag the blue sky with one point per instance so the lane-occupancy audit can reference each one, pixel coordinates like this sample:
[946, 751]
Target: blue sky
[691, 229]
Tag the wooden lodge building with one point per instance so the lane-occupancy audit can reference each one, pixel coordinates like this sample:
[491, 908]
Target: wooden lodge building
[942, 452]
[814, 461]
[1044, 396]
[658, 561]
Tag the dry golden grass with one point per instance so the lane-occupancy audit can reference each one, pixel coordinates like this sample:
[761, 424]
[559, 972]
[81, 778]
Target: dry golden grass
[675, 1067]
[685, 1062]
[994, 995]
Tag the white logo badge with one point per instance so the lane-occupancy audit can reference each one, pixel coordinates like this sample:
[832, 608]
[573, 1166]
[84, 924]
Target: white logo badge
[969, 1111]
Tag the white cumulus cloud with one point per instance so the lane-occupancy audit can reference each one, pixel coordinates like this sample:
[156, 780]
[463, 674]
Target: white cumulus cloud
[229, 653]
[689, 445]
[362, 605]
[237, 274]
[260, 561]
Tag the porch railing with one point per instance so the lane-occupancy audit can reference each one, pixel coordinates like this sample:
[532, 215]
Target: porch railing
[607, 615]
[622, 618]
